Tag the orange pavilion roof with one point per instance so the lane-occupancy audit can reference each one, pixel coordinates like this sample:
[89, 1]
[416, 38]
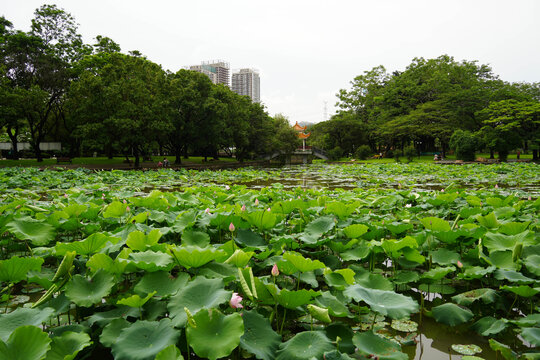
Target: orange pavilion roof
[304, 136]
[298, 127]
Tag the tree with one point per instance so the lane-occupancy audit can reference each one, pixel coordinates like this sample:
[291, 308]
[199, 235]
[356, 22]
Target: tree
[465, 144]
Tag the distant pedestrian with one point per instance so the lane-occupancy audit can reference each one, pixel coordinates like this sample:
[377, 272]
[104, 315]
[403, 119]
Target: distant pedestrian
[518, 154]
[160, 164]
[165, 162]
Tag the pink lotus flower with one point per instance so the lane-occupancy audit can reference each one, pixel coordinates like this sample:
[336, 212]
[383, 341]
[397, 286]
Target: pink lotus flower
[275, 271]
[459, 264]
[231, 227]
[125, 202]
[227, 187]
[235, 301]
[442, 190]
[496, 186]
[128, 209]
[243, 207]
[66, 196]
[529, 198]
[256, 202]
[207, 211]
[268, 209]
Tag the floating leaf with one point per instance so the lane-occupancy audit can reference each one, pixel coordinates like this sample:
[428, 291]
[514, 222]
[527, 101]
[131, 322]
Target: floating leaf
[404, 325]
[387, 303]
[466, 349]
[305, 345]
[216, 335]
[143, 340]
[370, 344]
[451, 314]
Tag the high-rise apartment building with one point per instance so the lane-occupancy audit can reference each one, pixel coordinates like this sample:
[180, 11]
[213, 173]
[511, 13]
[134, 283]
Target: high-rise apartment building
[217, 71]
[247, 82]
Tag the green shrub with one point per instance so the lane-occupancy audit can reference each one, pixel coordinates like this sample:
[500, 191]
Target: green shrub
[464, 144]
[336, 153]
[362, 152]
[410, 153]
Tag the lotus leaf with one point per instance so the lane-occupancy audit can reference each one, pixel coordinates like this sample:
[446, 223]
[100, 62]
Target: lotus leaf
[451, 314]
[466, 349]
[355, 231]
[387, 303]
[195, 257]
[135, 300]
[239, 258]
[103, 261]
[139, 241]
[505, 350]
[20, 317]
[68, 345]
[162, 282]
[335, 307]
[90, 245]
[514, 228]
[216, 335]
[437, 288]
[370, 344]
[262, 219]
[16, 269]
[372, 281]
[171, 352]
[246, 237]
[489, 326]
[39, 233]
[319, 313]
[435, 224]
[438, 273]
[259, 338]
[198, 294]
[112, 330]
[301, 263]
[89, 291]
[184, 220]
[522, 290]
[345, 334]
[532, 263]
[195, 238]
[444, 257]
[336, 355]
[152, 261]
[293, 299]
[512, 276]
[489, 221]
[116, 209]
[315, 229]
[531, 335]
[143, 340]
[359, 252]
[305, 345]
[487, 296]
[404, 325]
[500, 242]
[25, 343]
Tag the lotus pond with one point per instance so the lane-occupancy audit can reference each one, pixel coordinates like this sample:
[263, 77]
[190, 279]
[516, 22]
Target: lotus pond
[390, 261]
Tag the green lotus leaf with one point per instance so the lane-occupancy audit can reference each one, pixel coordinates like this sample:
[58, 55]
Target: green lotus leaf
[198, 294]
[68, 345]
[341, 209]
[102, 261]
[195, 238]
[16, 269]
[500, 242]
[531, 335]
[305, 345]
[345, 334]
[335, 280]
[89, 291]
[451, 314]
[505, 350]
[248, 238]
[240, 258]
[522, 290]
[143, 340]
[301, 263]
[532, 263]
[502, 260]
[139, 241]
[259, 338]
[394, 248]
[405, 277]
[335, 307]
[135, 300]
[264, 220]
[467, 349]
[112, 330]
[435, 224]
[315, 229]
[115, 209]
[529, 320]
[437, 288]
[487, 296]
[336, 355]
[514, 228]
[444, 257]
[216, 335]
[448, 237]
[162, 282]
[370, 344]
[489, 221]
[39, 233]
[171, 352]
[438, 273]
[355, 231]
[25, 343]
[387, 303]
[20, 317]
[488, 325]
[358, 252]
[512, 276]
[152, 261]
[103, 318]
[404, 325]
[477, 272]
[413, 255]
[90, 245]
[319, 313]
[399, 227]
[293, 299]
[504, 212]
[372, 281]
[194, 257]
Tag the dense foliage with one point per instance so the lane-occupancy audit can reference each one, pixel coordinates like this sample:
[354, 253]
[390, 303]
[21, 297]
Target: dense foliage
[423, 105]
[95, 98]
[105, 269]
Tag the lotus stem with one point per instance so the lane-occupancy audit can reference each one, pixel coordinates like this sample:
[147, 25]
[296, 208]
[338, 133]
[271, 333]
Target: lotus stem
[283, 321]
[373, 323]
[512, 306]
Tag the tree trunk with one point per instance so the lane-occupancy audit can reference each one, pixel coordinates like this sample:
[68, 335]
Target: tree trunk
[136, 154]
[535, 154]
[13, 138]
[491, 154]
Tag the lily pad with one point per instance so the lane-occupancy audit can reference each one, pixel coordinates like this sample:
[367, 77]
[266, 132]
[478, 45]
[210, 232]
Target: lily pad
[404, 325]
[215, 335]
[467, 349]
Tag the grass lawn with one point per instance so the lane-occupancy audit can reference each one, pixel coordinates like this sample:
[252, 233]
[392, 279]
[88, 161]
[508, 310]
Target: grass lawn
[427, 158]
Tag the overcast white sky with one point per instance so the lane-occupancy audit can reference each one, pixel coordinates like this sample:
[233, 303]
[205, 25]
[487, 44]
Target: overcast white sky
[307, 50]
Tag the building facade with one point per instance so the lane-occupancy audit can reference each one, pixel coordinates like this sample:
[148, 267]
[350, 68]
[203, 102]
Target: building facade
[247, 82]
[217, 71]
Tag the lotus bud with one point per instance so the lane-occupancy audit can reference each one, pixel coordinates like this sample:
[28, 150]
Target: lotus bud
[256, 202]
[442, 190]
[66, 196]
[275, 271]
[235, 301]
[231, 227]
[243, 207]
[268, 209]
[529, 198]
[125, 202]
[207, 211]
[227, 187]
[128, 209]
[496, 186]
[459, 264]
